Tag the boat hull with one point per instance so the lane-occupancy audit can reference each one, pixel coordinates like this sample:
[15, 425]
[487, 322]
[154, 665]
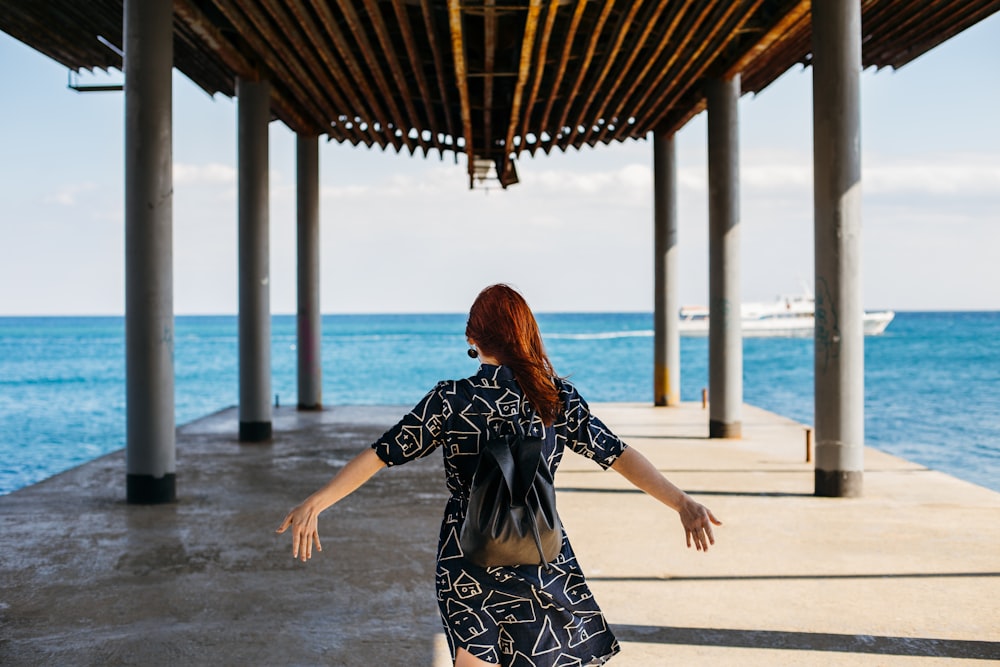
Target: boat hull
[801, 326]
[786, 316]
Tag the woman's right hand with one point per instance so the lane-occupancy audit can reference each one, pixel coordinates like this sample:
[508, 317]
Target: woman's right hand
[303, 519]
[697, 521]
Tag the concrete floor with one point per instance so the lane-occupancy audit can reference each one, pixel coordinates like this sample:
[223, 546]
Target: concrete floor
[909, 574]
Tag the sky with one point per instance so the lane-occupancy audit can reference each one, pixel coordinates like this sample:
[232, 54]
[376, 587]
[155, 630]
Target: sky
[403, 233]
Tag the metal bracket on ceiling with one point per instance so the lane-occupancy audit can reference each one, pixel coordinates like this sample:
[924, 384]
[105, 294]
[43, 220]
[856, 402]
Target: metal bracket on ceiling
[73, 78]
[487, 170]
[73, 83]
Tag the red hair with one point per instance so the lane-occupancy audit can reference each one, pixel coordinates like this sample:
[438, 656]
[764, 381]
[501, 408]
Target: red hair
[503, 326]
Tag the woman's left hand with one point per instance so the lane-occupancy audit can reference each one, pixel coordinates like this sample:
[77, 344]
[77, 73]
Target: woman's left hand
[698, 520]
[303, 520]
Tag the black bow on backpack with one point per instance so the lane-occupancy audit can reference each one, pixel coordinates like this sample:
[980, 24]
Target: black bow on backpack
[512, 519]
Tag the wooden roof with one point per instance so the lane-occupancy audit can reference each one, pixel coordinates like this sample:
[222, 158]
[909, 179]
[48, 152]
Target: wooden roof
[488, 78]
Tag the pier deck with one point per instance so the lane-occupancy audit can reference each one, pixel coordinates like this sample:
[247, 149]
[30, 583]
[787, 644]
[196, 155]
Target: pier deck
[908, 574]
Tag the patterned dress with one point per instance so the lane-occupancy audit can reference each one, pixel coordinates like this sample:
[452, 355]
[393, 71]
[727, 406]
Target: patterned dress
[523, 616]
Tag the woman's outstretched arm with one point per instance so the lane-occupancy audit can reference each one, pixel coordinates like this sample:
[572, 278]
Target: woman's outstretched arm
[303, 518]
[696, 518]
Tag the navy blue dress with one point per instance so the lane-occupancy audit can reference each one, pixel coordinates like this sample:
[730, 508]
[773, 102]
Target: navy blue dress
[523, 616]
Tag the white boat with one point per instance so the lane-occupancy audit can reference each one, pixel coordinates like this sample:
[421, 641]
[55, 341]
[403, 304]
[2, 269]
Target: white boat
[785, 316]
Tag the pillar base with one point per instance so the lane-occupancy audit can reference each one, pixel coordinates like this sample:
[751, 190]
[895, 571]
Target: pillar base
[149, 490]
[310, 408]
[255, 431]
[717, 429]
[839, 483]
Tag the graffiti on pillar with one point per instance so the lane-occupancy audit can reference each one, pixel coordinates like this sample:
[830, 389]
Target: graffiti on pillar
[827, 324]
[719, 307]
[167, 339]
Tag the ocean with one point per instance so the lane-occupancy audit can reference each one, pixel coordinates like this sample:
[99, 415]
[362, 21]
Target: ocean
[931, 381]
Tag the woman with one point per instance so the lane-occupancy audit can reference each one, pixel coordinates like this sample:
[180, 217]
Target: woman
[493, 615]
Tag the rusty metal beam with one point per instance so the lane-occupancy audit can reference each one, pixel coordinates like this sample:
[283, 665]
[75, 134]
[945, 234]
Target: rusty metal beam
[273, 63]
[581, 7]
[658, 116]
[623, 73]
[721, 35]
[352, 100]
[543, 49]
[489, 53]
[389, 51]
[458, 53]
[524, 71]
[621, 105]
[368, 101]
[582, 70]
[425, 10]
[931, 38]
[785, 26]
[192, 16]
[361, 72]
[610, 61]
[923, 32]
[707, 12]
[430, 122]
[388, 125]
[294, 32]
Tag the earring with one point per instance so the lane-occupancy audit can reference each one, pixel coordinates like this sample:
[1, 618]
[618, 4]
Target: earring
[472, 352]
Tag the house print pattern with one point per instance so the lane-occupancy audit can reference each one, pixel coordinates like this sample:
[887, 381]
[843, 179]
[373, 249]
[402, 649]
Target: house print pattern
[526, 615]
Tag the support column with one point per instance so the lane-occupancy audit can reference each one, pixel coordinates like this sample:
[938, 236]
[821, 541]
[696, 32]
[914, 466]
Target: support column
[309, 326]
[149, 292]
[725, 336]
[666, 326]
[253, 115]
[839, 337]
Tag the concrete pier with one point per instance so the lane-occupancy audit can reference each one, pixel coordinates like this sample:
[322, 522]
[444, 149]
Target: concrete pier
[907, 576]
[725, 339]
[666, 300]
[254, 114]
[149, 277]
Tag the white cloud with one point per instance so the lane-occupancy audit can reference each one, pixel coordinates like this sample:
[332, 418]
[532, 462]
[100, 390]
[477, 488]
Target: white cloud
[68, 194]
[204, 174]
[953, 175]
[344, 191]
[783, 176]
[628, 180]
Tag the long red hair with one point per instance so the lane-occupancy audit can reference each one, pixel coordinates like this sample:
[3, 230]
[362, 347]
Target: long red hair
[504, 327]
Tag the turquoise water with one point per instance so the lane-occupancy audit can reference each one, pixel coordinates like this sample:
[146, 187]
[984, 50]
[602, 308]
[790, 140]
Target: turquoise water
[930, 381]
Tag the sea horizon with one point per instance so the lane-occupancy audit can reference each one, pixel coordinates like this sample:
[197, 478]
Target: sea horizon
[457, 312]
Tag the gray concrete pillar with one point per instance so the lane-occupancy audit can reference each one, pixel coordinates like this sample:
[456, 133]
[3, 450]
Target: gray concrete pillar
[839, 337]
[310, 374]
[253, 116]
[666, 326]
[725, 336]
[149, 291]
